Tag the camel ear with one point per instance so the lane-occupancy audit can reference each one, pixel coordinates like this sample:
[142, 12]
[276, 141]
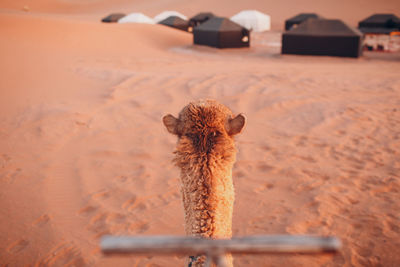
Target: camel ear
[235, 125]
[171, 123]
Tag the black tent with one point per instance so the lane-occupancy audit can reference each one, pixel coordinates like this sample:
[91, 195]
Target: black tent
[380, 23]
[176, 22]
[296, 20]
[221, 33]
[200, 18]
[113, 17]
[323, 37]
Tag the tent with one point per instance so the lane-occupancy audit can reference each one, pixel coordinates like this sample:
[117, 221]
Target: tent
[253, 20]
[322, 37]
[176, 22]
[136, 18]
[114, 17]
[296, 20]
[200, 18]
[380, 23]
[165, 14]
[221, 33]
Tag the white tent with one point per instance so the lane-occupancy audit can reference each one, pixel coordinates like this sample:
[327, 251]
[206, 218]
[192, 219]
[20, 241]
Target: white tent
[136, 18]
[253, 20]
[166, 14]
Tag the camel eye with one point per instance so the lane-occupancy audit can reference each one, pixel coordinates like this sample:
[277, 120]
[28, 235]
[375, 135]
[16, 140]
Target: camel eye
[216, 134]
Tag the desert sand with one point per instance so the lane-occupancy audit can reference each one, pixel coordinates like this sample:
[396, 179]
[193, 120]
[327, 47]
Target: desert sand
[83, 151]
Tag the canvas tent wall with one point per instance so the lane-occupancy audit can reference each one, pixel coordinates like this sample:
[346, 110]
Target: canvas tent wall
[114, 17]
[380, 23]
[253, 20]
[176, 22]
[136, 18]
[323, 37]
[296, 20]
[166, 14]
[381, 32]
[221, 33]
[200, 18]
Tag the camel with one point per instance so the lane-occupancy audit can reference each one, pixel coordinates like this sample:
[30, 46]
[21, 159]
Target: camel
[205, 153]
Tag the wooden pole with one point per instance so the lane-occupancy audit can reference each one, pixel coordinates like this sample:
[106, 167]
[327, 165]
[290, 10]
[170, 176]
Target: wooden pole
[270, 244]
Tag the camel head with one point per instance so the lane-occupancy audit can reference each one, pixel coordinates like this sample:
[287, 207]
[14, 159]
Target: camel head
[205, 124]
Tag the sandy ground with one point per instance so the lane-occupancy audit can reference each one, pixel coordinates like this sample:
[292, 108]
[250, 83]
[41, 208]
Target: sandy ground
[83, 151]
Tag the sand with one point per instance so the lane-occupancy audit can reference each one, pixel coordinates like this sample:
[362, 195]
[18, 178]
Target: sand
[83, 151]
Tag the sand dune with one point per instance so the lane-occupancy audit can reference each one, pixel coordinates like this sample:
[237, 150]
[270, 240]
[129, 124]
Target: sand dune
[83, 151]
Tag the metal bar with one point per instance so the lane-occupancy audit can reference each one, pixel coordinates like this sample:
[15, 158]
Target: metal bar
[270, 244]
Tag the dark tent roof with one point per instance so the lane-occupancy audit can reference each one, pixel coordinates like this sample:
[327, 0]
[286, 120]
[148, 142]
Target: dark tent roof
[299, 19]
[380, 23]
[176, 22]
[221, 33]
[323, 37]
[113, 17]
[325, 27]
[200, 18]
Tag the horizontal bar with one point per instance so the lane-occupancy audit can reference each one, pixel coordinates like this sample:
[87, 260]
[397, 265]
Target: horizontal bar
[270, 244]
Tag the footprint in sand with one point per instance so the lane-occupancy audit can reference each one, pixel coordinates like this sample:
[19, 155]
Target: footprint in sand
[340, 132]
[117, 223]
[316, 175]
[265, 167]
[266, 148]
[267, 186]
[239, 174]
[18, 246]
[384, 186]
[131, 203]
[98, 224]
[87, 211]
[98, 219]
[42, 220]
[63, 255]
[306, 158]
[121, 179]
[320, 145]
[104, 194]
[301, 141]
[306, 186]
[139, 227]
[391, 227]
[81, 123]
[349, 173]
[10, 176]
[4, 159]
[141, 207]
[355, 162]
[116, 218]
[108, 223]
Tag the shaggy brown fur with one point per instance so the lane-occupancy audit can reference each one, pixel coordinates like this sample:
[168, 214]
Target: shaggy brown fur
[205, 154]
